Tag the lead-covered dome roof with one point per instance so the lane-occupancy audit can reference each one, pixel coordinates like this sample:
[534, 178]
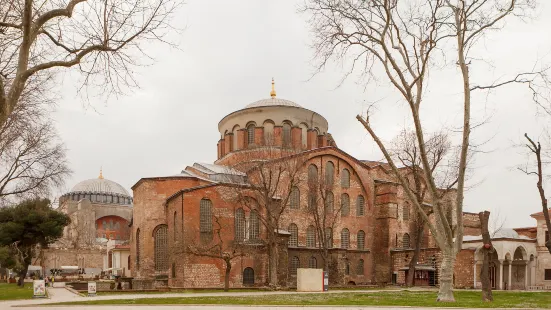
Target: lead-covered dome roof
[272, 102]
[100, 186]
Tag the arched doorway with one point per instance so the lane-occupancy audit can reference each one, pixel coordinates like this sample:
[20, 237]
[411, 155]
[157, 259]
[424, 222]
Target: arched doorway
[248, 276]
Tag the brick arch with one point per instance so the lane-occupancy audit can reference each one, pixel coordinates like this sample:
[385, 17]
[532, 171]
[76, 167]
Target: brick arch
[112, 227]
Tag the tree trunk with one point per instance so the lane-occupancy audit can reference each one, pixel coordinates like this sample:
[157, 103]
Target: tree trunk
[446, 276]
[486, 250]
[22, 274]
[273, 264]
[415, 258]
[227, 276]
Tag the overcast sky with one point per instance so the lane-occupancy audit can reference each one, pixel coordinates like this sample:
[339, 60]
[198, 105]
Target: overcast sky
[230, 50]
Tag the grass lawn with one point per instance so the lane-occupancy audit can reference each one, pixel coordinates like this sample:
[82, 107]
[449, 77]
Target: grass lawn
[467, 299]
[184, 291]
[12, 291]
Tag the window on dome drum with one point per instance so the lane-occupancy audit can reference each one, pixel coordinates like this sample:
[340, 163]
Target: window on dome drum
[239, 225]
[205, 220]
[345, 238]
[295, 198]
[312, 262]
[329, 202]
[312, 176]
[345, 178]
[254, 227]
[311, 237]
[361, 240]
[138, 248]
[329, 237]
[345, 205]
[250, 134]
[329, 174]
[248, 276]
[360, 205]
[405, 241]
[360, 270]
[405, 212]
[295, 264]
[286, 134]
[293, 239]
[161, 248]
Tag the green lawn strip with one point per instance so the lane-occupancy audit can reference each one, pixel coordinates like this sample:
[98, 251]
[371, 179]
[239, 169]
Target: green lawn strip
[189, 291]
[12, 292]
[468, 299]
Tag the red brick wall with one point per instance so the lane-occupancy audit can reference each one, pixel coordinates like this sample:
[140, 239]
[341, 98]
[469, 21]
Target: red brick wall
[112, 227]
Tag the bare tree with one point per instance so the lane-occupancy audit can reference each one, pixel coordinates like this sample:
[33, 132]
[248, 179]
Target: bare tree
[487, 250]
[33, 160]
[270, 181]
[535, 149]
[100, 39]
[220, 248]
[400, 40]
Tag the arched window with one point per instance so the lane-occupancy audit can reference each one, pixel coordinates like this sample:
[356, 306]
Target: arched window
[254, 227]
[286, 134]
[293, 239]
[268, 133]
[239, 225]
[161, 248]
[312, 176]
[345, 178]
[329, 174]
[205, 220]
[312, 262]
[295, 198]
[304, 135]
[329, 237]
[311, 237]
[312, 201]
[295, 264]
[405, 212]
[345, 205]
[361, 240]
[248, 276]
[360, 205]
[329, 202]
[360, 271]
[345, 238]
[174, 227]
[346, 266]
[234, 138]
[405, 241]
[138, 248]
[250, 134]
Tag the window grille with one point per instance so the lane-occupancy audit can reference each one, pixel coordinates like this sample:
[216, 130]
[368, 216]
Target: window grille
[293, 239]
[345, 178]
[345, 238]
[254, 227]
[286, 134]
[329, 237]
[361, 240]
[295, 198]
[345, 205]
[250, 135]
[360, 270]
[248, 276]
[405, 241]
[312, 262]
[205, 220]
[295, 264]
[312, 201]
[311, 237]
[239, 225]
[360, 205]
[329, 174]
[405, 212]
[312, 176]
[347, 267]
[161, 248]
[329, 202]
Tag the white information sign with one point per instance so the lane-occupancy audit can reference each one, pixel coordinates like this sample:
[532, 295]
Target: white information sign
[91, 289]
[39, 289]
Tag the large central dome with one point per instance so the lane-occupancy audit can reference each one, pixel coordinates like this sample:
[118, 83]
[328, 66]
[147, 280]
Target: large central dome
[102, 186]
[270, 102]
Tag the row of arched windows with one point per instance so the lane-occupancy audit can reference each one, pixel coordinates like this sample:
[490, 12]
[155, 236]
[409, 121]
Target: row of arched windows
[311, 237]
[101, 198]
[269, 134]
[294, 202]
[294, 264]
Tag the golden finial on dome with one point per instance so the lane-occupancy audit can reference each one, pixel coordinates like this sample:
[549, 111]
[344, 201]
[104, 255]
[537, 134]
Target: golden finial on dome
[273, 92]
[100, 173]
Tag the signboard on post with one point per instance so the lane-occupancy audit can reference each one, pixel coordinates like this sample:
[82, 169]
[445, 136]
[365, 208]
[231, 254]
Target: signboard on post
[325, 281]
[39, 289]
[91, 289]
